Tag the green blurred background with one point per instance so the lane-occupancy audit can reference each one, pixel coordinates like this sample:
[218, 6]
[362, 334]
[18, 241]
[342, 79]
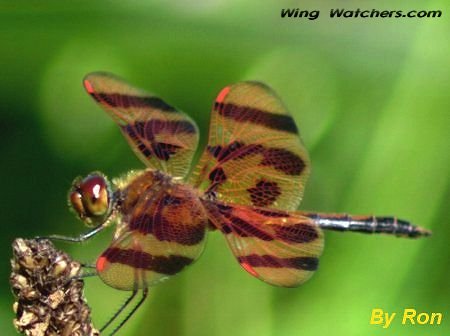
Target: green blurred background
[371, 98]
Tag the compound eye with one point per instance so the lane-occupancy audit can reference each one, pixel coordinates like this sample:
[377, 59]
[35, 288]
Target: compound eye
[76, 201]
[90, 198]
[95, 195]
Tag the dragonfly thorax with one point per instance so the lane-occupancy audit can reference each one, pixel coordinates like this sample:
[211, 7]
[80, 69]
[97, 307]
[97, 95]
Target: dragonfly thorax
[141, 186]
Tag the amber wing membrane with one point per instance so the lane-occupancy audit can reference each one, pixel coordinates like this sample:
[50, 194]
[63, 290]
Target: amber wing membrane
[254, 154]
[279, 247]
[158, 235]
[161, 136]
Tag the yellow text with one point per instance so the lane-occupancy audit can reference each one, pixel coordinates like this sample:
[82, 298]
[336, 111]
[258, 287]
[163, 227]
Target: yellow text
[410, 316]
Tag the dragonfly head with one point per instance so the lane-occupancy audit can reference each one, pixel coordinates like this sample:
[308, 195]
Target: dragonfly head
[90, 198]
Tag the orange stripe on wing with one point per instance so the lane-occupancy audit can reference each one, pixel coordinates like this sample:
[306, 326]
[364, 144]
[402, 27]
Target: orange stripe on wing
[282, 226]
[101, 263]
[222, 94]
[88, 86]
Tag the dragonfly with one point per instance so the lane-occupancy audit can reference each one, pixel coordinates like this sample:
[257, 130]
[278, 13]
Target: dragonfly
[247, 185]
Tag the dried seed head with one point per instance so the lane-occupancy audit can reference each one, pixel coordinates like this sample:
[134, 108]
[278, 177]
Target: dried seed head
[48, 302]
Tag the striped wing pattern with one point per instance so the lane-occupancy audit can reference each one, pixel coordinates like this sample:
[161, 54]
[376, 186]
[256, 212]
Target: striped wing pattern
[279, 247]
[161, 232]
[162, 137]
[254, 154]
[251, 175]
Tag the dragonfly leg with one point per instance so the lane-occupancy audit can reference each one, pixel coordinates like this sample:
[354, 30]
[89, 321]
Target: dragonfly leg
[135, 308]
[120, 310]
[85, 265]
[84, 275]
[83, 237]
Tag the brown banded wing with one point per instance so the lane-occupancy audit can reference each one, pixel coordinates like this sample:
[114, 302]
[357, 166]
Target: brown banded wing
[161, 136]
[279, 247]
[254, 154]
[159, 233]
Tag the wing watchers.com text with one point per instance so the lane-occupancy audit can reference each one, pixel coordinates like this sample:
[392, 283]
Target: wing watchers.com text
[342, 13]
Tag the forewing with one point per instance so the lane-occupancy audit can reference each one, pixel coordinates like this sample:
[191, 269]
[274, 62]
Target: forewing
[254, 154]
[281, 248]
[158, 238]
[161, 136]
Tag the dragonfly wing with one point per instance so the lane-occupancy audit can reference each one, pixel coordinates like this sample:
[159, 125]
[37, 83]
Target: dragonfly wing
[254, 154]
[161, 136]
[158, 237]
[279, 247]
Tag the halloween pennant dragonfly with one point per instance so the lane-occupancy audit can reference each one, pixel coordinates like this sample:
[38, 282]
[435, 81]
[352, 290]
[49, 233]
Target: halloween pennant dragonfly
[247, 185]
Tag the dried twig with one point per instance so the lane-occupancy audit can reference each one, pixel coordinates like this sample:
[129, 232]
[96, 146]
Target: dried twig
[48, 301]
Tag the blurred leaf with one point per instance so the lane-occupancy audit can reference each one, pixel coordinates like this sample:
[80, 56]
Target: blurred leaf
[306, 83]
[73, 124]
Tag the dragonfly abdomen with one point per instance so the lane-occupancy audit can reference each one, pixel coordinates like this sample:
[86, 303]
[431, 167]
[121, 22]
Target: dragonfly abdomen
[368, 224]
